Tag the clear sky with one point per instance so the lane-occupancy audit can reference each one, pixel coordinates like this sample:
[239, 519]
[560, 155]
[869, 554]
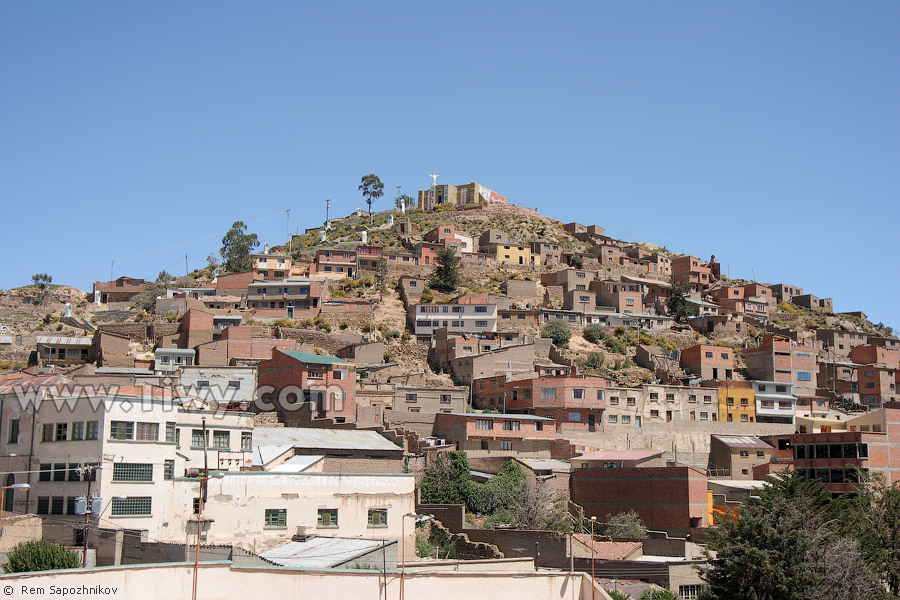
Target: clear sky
[765, 133]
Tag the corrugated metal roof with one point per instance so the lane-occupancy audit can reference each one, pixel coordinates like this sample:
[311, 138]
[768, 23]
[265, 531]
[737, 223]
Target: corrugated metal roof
[619, 455]
[319, 552]
[742, 441]
[316, 359]
[297, 464]
[310, 437]
[546, 464]
[500, 416]
[57, 340]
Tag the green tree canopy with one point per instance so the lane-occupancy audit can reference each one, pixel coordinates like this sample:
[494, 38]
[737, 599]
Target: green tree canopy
[41, 279]
[558, 331]
[626, 525]
[445, 277]
[39, 556]
[677, 302]
[236, 248]
[372, 189]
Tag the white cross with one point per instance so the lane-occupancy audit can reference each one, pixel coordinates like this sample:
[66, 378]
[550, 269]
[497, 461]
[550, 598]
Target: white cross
[434, 178]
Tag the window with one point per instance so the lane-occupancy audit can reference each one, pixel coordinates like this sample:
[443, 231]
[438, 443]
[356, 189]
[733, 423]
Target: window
[707, 399]
[132, 472]
[670, 397]
[328, 517]
[724, 356]
[246, 441]
[121, 430]
[803, 376]
[505, 445]
[62, 432]
[613, 418]
[46, 472]
[314, 372]
[91, 430]
[481, 324]
[692, 398]
[276, 518]
[745, 453]
[578, 394]
[57, 505]
[47, 432]
[484, 424]
[601, 394]
[197, 440]
[412, 398]
[202, 384]
[445, 399]
[169, 470]
[626, 419]
[538, 426]
[377, 517]
[481, 309]
[148, 432]
[13, 432]
[511, 425]
[74, 475]
[704, 416]
[709, 354]
[745, 418]
[77, 431]
[548, 393]
[614, 400]
[630, 402]
[43, 505]
[221, 439]
[170, 432]
[654, 414]
[131, 506]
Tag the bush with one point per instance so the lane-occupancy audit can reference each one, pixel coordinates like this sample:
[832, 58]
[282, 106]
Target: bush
[594, 360]
[427, 295]
[39, 556]
[558, 331]
[594, 333]
[424, 548]
[344, 325]
[626, 525]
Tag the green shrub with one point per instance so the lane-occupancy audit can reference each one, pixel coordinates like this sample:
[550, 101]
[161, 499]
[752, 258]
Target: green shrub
[424, 548]
[558, 331]
[39, 556]
[595, 333]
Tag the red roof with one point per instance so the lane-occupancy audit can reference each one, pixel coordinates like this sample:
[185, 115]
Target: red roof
[619, 455]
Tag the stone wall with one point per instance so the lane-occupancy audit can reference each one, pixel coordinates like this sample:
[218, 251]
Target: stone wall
[309, 338]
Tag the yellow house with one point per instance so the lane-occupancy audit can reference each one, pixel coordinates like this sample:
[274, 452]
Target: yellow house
[511, 254]
[737, 401]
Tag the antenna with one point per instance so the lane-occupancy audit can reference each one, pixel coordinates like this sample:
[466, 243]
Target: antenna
[327, 207]
[287, 212]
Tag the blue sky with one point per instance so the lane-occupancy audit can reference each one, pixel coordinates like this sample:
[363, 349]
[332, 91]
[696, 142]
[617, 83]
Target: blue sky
[767, 134]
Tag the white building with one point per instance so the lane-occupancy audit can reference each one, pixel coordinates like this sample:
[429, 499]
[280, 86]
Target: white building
[457, 318]
[775, 402]
[229, 384]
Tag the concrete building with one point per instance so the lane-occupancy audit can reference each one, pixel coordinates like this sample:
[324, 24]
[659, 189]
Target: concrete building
[64, 350]
[508, 253]
[431, 400]
[458, 241]
[811, 302]
[569, 279]
[709, 362]
[335, 262]
[486, 435]
[299, 382]
[737, 401]
[579, 300]
[368, 257]
[470, 194]
[291, 299]
[123, 289]
[633, 407]
[424, 319]
[574, 403]
[735, 456]
[782, 360]
[693, 271]
[229, 385]
[547, 254]
[621, 296]
[775, 402]
[136, 440]
[783, 292]
[271, 266]
[838, 343]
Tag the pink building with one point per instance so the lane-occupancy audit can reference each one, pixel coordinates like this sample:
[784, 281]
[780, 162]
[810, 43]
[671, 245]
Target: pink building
[573, 402]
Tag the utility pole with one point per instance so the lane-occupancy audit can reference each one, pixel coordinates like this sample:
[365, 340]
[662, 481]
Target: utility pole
[290, 237]
[111, 265]
[88, 470]
[401, 204]
[327, 207]
[186, 270]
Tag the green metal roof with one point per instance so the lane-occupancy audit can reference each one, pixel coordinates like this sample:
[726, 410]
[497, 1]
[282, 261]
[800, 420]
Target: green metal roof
[316, 359]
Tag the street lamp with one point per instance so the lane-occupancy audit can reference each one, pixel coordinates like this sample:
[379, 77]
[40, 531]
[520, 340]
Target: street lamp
[403, 550]
[202, 481]
[15, 486]
[593, 585]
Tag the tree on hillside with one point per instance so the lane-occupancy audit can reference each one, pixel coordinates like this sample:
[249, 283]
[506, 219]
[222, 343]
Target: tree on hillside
[626, 525]
[164, 277]
[576, 261]
[372, 189]
[677, 302]
[236, 248]
[445, 277]
[41, 279]
[381, 277]
[447, 480]
[558, 331]
[39, 556]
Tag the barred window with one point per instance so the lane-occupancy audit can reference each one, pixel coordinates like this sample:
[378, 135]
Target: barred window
[121, 430]
[74, 475]
[276, 517]
[77, 431]
[46, 473]
[91, 429]
[170, 431]
[197, 440]
[47, 432]
[59, 471]
[58, 505]
[221, 439]
[327, 517]
[169, 470]
[62, 430]
[70, 505]
[132, 472]
[148, 432]
[43, 505]
[246, 440]
[131, 506]
[378, 517]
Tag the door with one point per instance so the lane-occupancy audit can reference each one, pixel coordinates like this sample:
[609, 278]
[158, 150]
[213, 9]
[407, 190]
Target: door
[592, 422]
[290, 312]
[668, 416]
[637, 421]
